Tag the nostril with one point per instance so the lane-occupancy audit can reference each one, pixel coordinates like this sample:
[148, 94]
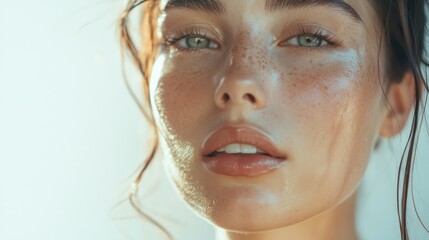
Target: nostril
[225, 97]
[249, 97]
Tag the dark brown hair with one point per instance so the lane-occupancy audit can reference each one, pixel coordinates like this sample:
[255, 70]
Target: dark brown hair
[404, 31]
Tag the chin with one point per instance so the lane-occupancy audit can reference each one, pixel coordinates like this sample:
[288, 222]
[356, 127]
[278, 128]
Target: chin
[249, 225]
[251, 220]
[249, 209]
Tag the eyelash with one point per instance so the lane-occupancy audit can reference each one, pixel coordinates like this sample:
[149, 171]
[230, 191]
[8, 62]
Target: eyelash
[188, 32]
[191, 32]
[318, 33]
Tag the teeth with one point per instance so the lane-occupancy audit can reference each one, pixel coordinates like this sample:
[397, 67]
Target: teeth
[244, 148]
[260, 151]
[240, 148]
[233, 148]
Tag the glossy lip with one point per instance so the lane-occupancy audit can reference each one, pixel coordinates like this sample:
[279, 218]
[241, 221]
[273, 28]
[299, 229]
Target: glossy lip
[241, 164]
[243, 135]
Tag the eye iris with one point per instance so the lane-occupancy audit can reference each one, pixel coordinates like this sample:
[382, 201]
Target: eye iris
[197, 42]
[309, 41]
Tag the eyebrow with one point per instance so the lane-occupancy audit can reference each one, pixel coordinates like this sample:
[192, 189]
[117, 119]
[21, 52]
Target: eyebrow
[277, 5]
[209, 6]
[217, 8]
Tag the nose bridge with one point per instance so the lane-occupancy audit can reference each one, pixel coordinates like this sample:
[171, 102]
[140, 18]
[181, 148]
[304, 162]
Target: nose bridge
[243, 52]
[241, 86]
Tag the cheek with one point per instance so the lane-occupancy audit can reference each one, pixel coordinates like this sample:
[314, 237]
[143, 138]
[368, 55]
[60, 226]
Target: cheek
[331, 108]
[182, 98]
[173, 94]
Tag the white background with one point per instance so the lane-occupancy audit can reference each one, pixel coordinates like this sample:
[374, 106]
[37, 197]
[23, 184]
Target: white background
[71, 137]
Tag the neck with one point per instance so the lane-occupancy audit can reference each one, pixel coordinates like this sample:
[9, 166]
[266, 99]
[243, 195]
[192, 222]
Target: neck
[337, 223]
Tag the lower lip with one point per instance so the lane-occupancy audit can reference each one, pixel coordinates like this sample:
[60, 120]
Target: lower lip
[242, 165]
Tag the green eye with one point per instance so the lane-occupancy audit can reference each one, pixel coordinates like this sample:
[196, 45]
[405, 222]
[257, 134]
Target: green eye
[306, 41]
[196, 43]
[309, 41]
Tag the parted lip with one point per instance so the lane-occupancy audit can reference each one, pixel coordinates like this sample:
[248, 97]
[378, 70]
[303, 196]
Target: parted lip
[243, 135]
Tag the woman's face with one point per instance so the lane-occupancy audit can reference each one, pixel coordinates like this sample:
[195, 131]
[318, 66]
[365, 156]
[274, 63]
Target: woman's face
[297, 79]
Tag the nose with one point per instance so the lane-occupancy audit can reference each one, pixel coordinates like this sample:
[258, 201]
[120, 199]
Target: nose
[241, 91]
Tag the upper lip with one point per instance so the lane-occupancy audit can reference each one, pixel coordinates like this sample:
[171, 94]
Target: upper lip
[241, 135]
